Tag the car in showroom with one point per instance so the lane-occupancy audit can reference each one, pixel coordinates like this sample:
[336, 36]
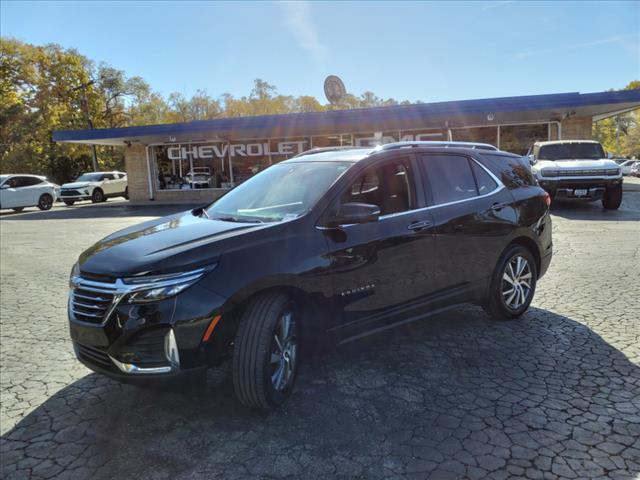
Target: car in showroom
[199, 177]
[21, 191]
[335, 244]
[95, 186]
[577, 170]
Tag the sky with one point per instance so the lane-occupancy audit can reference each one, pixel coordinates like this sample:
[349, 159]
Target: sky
[427, 51]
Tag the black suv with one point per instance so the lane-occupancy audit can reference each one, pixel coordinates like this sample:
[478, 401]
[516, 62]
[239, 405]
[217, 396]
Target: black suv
[337, 243]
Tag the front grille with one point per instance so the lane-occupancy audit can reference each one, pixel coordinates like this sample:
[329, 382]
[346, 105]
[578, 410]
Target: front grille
[69, 192]
[89, 304]
[93, 355]
[587, 173]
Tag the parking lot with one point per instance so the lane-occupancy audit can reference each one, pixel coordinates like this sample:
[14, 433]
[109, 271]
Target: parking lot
[555, 394]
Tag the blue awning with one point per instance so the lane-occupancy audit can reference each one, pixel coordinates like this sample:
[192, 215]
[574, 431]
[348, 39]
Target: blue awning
[492, 111]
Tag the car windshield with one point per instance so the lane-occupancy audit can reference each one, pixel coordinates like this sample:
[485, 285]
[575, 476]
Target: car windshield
[3, 178]
[89, 177]
[281, 192]
[571, 151]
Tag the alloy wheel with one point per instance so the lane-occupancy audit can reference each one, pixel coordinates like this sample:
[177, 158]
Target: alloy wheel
[46, 202]
[284, 350]
[516, 282]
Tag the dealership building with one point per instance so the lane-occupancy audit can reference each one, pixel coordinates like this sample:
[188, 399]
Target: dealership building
[198, 161]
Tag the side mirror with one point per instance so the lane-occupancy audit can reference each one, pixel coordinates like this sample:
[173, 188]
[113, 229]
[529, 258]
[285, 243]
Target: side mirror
[5, 186]
[532, 159]
[350, 213]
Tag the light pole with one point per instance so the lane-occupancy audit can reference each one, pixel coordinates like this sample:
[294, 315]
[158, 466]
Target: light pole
[84, 105]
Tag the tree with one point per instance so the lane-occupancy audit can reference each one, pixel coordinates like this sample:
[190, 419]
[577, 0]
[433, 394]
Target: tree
[619, 134]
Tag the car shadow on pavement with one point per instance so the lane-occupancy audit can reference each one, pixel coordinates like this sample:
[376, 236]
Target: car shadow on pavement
[119, 209]
[579, 210]
[456, 396]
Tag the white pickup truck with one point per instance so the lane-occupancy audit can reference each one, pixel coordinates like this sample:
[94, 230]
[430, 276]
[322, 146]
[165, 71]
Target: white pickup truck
[577, 169]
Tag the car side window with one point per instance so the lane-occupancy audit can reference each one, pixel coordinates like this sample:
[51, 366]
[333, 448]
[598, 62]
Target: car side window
[389, 186]
[485, 183]
[30, 181]
[450, 178]
[108, 176]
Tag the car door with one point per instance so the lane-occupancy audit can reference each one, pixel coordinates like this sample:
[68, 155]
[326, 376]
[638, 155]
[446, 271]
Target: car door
[8, 192]
[109, 184]
[385, 266]
[472, 212]
[18, 194]
[121, 182]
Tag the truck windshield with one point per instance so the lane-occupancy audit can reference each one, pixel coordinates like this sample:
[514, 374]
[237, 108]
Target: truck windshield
[281, 192]
[571, 151]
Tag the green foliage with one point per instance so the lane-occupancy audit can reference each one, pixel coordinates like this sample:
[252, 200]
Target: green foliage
[620, 135]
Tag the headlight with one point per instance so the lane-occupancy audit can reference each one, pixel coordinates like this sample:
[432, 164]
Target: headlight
[547, 172]
[75, 272]
[151, 288]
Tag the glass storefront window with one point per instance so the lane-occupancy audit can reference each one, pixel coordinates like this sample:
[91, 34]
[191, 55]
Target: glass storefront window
[337, 140]
[188, 166]
[480, 134]
[518, 138]
[423, 135]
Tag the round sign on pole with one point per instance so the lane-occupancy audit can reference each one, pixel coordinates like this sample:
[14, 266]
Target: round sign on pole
[334, 89]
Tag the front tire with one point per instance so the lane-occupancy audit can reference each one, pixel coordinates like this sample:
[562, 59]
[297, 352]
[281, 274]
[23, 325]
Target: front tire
[18, 209]
[126, 193]
[513, 284]
[45, 202]
[69, 203]
[265, 355]
[97, 196]
[612, 198]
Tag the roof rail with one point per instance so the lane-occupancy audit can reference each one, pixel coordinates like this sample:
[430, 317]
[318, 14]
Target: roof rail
[327, 149]
[441, 144]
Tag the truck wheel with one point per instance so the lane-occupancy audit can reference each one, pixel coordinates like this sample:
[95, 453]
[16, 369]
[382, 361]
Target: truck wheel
[265, 354]
[97, 196]
[512, 285]
[68, 203]
[612, 198]
[45, 202]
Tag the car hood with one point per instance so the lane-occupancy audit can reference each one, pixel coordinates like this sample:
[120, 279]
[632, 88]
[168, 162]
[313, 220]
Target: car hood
[77, 184]
[167, 244]
[576, 164]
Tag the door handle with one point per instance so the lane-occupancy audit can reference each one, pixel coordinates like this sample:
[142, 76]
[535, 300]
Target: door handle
[416, 226]
[498, 206]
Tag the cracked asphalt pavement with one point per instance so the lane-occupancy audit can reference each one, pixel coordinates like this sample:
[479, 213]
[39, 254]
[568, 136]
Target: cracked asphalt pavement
[555, 394]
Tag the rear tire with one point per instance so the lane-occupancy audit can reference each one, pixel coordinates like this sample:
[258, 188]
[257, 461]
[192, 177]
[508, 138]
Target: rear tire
[97, 196]
[68, 203]
[18, 209]
[45, 202]
[612, 198]
[265, 355]
[513, 284]
[126, 193]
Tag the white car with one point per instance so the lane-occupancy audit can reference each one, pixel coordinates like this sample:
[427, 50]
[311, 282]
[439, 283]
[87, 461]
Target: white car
[20, 191]
[577, 169]
[626, 166]
[95, 186]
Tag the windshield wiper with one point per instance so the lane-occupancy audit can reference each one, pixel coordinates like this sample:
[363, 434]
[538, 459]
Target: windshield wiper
[235, 219]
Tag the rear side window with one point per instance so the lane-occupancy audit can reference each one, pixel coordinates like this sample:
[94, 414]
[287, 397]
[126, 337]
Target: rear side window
[513, 171]
[485, 183]
[450, 178]
[108, 176]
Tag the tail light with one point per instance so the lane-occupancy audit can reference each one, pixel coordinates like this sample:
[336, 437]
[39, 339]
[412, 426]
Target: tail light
[547, 199]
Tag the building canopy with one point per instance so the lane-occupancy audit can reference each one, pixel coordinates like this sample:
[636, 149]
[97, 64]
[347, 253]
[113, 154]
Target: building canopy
[480, 112]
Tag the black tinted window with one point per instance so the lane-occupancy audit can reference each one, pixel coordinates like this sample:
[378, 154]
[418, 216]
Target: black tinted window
[28, 181]
[388, 186]
[484, 181]
[108, 176]
[571, 151]
[450, 178]
[513, 171]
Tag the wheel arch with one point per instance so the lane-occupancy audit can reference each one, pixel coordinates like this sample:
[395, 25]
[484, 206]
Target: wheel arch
[530, 245]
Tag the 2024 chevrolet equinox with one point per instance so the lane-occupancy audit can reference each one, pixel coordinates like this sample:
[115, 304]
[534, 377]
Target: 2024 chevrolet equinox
[338, 244]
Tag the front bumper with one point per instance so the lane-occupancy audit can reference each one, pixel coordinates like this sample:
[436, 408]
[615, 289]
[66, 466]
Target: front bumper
[153, 340]
[589, 189]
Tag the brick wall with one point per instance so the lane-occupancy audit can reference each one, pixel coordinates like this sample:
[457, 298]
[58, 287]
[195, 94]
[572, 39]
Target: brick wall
[577, 128]
[135, 164]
